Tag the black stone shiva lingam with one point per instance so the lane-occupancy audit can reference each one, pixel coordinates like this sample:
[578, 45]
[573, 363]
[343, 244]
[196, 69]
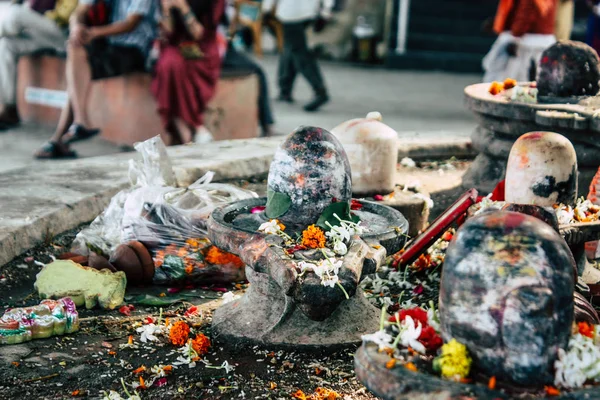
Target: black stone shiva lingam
[285, 305]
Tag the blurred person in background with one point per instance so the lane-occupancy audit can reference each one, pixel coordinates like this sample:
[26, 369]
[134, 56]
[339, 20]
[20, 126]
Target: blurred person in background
[27, 28]
[99, 50]
[188, 67]
[564, 19]
[237, 60]
[296, 16]
[593, 28]
[525, 29]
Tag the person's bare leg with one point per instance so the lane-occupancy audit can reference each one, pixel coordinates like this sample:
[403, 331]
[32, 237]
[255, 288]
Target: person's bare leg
[185, 132]
[79, 80]
[65, 121]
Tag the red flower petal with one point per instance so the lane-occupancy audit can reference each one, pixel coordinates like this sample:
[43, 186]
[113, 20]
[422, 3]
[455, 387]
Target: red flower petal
[257, 209]
[378, 197]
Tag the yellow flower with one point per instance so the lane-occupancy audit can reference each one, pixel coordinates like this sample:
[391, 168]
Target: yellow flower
[454, 362]
[313, 237]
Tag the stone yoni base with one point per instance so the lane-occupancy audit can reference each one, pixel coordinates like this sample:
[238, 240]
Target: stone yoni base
[257, 319]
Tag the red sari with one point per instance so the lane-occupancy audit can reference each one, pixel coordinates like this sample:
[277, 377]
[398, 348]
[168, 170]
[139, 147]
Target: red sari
[183, 87]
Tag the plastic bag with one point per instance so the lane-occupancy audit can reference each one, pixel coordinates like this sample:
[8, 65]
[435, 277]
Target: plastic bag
[170, 222]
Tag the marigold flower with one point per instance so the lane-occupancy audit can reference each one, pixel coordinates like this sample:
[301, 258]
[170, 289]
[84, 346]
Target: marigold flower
[201, 344]
[325, 394]
[411, 367]
[454, 362]
[391, 363]
[552, 391]
[216, 256]
[179, 333]
[586, 329]
[509, 83]
[492, 383]
[139, 370]
[495, 88]
[313, 237]
[193, 243]
[189, 269]
[299, 394]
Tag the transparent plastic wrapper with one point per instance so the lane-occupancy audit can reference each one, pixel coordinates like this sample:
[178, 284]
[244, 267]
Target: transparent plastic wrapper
[170, 222]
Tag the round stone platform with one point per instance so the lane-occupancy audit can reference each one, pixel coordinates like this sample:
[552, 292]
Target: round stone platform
[502, 122]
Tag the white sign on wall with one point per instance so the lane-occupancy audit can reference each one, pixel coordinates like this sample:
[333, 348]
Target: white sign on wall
[46, 97]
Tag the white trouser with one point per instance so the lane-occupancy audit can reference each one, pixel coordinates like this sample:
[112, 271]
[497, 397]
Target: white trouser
[498, 65]
[23, 31]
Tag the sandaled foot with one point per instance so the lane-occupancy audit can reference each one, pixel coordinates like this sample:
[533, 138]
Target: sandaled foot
[53, 151]
[77, 133]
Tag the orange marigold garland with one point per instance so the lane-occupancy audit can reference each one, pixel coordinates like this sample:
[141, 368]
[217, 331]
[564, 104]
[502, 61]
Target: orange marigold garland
[179, 333]
[214, 255]
[313, 237]
[201, 344]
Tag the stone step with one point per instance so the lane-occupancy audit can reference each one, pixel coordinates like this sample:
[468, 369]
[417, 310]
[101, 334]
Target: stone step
[442, 25]
[457, 10]
[437, 61]
[450, 43]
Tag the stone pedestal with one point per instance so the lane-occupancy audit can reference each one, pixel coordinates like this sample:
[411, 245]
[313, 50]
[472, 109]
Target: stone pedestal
[502, 122]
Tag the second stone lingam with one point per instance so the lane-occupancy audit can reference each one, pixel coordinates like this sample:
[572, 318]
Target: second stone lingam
[306, 247]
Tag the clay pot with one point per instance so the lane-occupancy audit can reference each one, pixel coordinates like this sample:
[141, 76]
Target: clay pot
[126, 260]
[98, 262]
[145, 260]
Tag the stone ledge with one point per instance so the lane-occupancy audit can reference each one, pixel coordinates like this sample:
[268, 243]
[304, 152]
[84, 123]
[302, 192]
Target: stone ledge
[38, 203]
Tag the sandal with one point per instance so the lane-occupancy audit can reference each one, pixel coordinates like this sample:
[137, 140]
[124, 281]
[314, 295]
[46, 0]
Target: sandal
[77, 133]
[54, 151]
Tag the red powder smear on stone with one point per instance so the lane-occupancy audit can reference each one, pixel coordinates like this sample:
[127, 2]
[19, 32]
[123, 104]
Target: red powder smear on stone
[354, 123]
[533, 136]
[300, 179]
[509, 220]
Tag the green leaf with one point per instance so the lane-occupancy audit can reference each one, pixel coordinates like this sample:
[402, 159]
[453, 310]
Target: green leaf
[173, 267]
[341, 209]
[277, 204]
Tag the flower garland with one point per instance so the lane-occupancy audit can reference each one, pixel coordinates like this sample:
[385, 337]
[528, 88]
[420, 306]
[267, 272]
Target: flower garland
[413, 328]
[581, 361]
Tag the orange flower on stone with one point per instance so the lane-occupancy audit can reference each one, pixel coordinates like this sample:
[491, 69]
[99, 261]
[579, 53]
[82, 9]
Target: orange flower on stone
[313, 237]
[216, 256]
[586, 329]
[552, 391]
[179, 333]
[201, 344]
[509, 83]
[495, 88]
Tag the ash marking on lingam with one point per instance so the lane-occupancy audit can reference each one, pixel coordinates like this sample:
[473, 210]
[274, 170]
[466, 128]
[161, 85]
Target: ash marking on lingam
[548, 186]
[307, 252]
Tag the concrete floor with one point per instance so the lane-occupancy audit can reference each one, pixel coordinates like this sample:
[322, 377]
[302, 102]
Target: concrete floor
[416, 104]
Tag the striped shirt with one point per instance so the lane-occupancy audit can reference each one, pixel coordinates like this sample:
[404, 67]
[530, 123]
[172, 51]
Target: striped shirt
[144, 34]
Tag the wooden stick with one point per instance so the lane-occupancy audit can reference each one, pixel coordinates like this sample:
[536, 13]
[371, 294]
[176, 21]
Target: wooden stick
[41, 378]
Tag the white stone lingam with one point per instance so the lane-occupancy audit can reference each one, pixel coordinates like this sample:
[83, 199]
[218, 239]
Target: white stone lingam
[372, 149]
[542, 170]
